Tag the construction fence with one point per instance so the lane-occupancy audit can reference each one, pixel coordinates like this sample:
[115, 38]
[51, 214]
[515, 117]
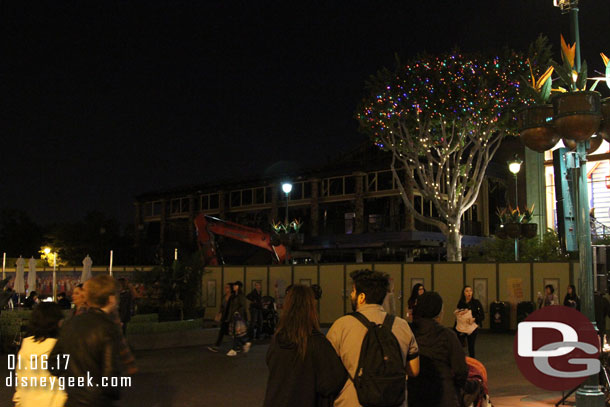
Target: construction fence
[508, 282]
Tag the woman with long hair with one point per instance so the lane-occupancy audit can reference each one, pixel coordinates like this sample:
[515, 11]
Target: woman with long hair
[42, 335]
[304, 369]
[469, 318]
[571, 299]
[418, 289]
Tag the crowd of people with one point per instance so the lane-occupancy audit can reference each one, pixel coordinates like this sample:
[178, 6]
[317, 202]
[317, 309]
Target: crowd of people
[74, 360]
[368, 357]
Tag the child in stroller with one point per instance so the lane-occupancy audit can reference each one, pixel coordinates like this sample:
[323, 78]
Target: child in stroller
[270, 316]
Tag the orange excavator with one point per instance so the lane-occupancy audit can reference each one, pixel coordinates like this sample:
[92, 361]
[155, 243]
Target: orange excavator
[209, 229]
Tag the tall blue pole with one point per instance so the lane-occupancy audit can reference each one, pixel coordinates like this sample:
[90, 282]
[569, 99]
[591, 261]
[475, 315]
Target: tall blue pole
[589, 394]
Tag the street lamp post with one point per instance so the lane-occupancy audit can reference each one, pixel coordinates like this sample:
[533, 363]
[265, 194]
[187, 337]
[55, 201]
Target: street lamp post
[589, 393]
[514, 166]
[287, 188]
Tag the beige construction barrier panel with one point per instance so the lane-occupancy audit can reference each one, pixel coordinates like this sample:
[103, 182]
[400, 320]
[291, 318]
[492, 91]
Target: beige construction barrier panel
[508, 282]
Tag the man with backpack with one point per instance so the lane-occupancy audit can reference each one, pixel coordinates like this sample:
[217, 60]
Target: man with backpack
[378, 350]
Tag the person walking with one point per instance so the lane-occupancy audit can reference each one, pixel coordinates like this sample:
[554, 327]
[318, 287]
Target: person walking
[93, 340]
[469, 317]
[238, 319]
[256, 312]
[571, 299]
[127, 296]
[43, 330]
[347, 333]
[223, 318]
[443, 370]
[304, 369]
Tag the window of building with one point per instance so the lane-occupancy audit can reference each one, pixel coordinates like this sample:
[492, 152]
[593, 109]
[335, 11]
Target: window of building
[335, 186]
[268, 193]
[350, 185]
[204, 202]
[385, 180]
[297, 191]
[235, 199]
[148, 209]
[214, 201]
[371, 182]
[246, 197]
[174, 206]
[156, 208]
[417, 203]
[259, 196]
[185, 205]
[307, 190]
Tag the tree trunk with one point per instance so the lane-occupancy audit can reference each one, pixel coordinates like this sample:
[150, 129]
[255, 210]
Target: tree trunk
[454, 245]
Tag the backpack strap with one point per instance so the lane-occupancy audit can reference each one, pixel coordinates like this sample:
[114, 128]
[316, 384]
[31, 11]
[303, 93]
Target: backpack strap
[388, 322]
[364, 320]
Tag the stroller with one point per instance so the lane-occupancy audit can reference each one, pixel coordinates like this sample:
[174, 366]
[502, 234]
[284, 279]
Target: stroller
[476, 391]
[270, 315]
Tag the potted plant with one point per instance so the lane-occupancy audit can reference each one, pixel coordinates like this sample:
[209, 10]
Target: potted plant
[513, 225]
[576, 111]
[604, 128]
[534, 121]
[528, 230]
[503, 217]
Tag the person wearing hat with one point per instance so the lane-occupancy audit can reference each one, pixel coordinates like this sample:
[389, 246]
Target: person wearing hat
[443, 370]
[237, 313]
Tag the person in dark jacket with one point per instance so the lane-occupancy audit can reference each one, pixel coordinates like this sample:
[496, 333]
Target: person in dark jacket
[237, 312]
[467, 303]
[418, 289]
[256, 312]
[224, 319]
[443, 370]
[126, 302]
[63, 302]
[31, 300]
[304, 369]
[92, 339]
[571, 299]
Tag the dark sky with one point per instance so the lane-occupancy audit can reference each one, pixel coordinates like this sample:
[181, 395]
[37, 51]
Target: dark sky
[104, 100]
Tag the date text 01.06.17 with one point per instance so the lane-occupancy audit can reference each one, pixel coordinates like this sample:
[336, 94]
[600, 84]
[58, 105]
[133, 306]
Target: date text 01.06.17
[35, 362]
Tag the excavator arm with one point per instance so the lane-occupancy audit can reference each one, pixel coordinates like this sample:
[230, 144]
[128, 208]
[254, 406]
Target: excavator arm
[209, 227]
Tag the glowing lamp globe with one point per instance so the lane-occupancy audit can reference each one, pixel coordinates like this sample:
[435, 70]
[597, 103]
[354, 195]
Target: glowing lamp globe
[286, 187]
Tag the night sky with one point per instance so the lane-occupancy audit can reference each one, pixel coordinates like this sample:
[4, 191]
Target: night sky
[105, 100]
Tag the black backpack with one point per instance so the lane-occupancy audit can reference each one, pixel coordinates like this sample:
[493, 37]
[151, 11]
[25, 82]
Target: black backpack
[381, 374]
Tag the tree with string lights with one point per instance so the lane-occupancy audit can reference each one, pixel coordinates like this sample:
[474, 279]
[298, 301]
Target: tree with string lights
[443, 119]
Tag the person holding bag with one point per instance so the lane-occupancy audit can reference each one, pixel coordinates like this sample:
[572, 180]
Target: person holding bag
[469, 317]
[237, 325]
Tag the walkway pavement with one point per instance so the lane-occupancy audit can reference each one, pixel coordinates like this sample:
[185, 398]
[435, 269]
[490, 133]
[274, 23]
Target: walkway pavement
[196, 377]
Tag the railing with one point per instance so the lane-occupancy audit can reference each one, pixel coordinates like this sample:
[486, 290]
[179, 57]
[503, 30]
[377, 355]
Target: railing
[386, 223]
[599, 230]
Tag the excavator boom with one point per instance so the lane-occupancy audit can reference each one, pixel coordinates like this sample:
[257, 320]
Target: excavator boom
[209, 227]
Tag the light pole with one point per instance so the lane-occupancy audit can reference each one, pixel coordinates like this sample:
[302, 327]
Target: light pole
[514, 166]
[287, 188]
[589, 393]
